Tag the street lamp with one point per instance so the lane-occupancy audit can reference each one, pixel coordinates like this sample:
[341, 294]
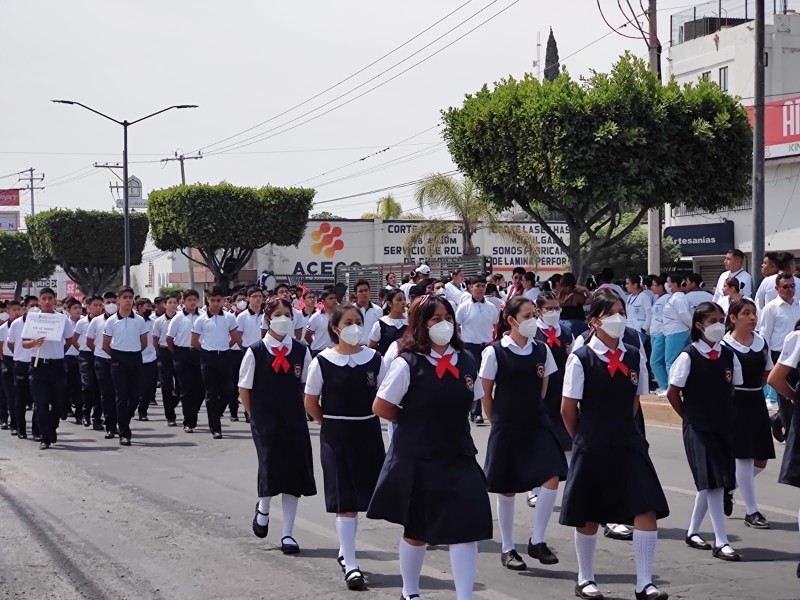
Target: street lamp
[125, 208]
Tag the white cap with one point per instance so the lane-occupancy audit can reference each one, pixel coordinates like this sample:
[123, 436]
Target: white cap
[424, 269]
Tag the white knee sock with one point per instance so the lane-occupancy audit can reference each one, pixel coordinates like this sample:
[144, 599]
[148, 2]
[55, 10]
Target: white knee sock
[263, 507]
[535, 491]
[584, 548]
[346, 528]
[745, 480]
[411, 559]
[289, 507]
[341, 550]
[717, 515]
[505, 520]
[699, 512]
[463, 560]
[644, 550]
[544, 510]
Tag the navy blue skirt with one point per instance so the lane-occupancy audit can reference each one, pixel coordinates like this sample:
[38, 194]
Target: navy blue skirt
[790, 466]
[520, 461]
[710, 456]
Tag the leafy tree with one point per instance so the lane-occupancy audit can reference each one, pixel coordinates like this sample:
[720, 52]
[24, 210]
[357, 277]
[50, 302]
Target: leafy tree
[590, 152]
[462, 199]
[17, 262]
[552, 67]
[88, 244]
[389, 209]
[324, 216]
[226, 223]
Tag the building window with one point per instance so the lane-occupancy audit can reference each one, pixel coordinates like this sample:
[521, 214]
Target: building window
[706, 75]
[723, 79]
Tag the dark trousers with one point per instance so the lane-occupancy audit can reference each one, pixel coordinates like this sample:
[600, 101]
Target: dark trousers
[216, 370]
[6, 403]
[7, 378]
[22, 397]
[108, 398]
[73, 396]
[90, 390]
[48, 382]
[236, 357]
[475, 350]
[126, 372]
[149, 381]
[187, 367]
[785, 406]
[170, 387]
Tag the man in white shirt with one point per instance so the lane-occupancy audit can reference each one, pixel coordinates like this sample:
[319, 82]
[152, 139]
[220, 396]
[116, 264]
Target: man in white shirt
[734, 263]
[767, 291]
[317, 336]
[102, 363]
[170, 388]
[74, 396]
[149, 360]
[370, 312]
[454, 289]
[22, 362]
[187, 359]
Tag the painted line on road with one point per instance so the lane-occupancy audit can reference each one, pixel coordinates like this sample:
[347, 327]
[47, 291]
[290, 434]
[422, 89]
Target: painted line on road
[766, 507]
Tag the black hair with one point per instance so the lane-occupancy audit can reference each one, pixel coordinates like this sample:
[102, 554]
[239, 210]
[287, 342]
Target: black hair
[275, 303]
[215, 291]
[308, 293]
[280, 285]
[70, 302]
[29, 299]
[636, 279]
[109, 295]
[607, 275]
[92, 298]
[735, 308]
[475, 280]
[695, 278]
[701, 313]
[518, 271]
[389, 298]
[327, 292]
[405, 279]
[416, 338]
[511, 309]
[491, 288]
[142, 301]
[11, 303]
[455, 272]
[158, 300]
[191, 293]
[47, 290]
[568, 280]
[603, 302]
[530, 276]
[389, 275]
[543, 297]
[734, 283]
[336, 318]
[784, 260]
[771, 256]
[736, 252]
[415, 291]
[361, 282]
[781, 276]
[125, 289]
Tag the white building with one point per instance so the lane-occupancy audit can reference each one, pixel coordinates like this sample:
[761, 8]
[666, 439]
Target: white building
[722, 50]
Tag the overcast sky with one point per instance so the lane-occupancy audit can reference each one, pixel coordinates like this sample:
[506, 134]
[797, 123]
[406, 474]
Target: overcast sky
[246, 61]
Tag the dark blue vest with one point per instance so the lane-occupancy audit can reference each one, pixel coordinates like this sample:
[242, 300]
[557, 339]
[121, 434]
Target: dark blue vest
[276, 399]
[518, 401]
[708, 393]
[389, 334]
[349, 391]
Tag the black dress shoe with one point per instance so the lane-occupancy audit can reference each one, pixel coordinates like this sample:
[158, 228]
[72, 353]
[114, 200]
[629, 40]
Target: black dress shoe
[234, 419]
[37, 437]
[727, 503]
[479, 420]
[22, 435]
[355, 580]
[542, 553]
[13, 431]
[651, 592]
[143, 418]
[777, 429]
[44, 445]
[512, 561]
[609, 532]
[98, 427]
[217, 435]
[580, 591]
[110, 435]
[695, 541]
[260, 530]
[756, 521]
[247, 418]
[123, 441]
[172, 424]
[411, 597]
[717, 552]
[86, 422]
[3, 426]
[293, 548]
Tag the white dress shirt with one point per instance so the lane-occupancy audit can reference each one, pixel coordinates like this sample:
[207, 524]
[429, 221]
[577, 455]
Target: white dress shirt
[149, 353]
[574, 377]
[72, 350]
[696, 297]
[657, 318]
[453, 292]
[488, 368]
[677, 316]
[95, 332]
[679, 372]
[477, 319]
[318, 326]
[51, 350]
[315, 380]
[767, 291]
[756, 346]
[532, 294]
[375, 332]
[82, 328]
[15, 337]
[790, 356]
[249, 324]
[369, 317]
[160, 328]
[639, 309]
[4, 338]
[777, 321]
[180, 328]
[745, 282]
[126, 332]
[248, 368]
[215, 331]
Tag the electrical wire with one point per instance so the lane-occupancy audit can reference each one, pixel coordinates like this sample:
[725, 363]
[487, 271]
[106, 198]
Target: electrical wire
[391, 187]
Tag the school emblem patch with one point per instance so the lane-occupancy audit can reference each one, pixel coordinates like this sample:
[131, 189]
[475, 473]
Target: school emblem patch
[371, 378]
[540, 371]
[728, 375]
[470, 382]
[298, 370]
[634, 377]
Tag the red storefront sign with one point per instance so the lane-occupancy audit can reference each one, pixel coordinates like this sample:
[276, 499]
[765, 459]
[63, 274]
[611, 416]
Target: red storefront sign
[781, 127]
[9, 197]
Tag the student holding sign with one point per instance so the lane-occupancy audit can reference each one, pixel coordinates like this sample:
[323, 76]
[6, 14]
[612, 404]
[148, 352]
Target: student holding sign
[47, 335]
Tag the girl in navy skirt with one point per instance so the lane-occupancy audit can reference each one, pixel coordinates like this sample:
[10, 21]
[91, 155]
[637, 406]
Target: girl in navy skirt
[351, 443]
[392, 325]
[701, 383]
[752, 436]
[611, 478]
[431, 483]
[788, 364]
[523, 451]
[271, 379]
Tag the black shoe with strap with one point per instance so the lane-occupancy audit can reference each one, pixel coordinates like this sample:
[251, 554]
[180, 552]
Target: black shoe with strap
[580, 591]
[260, 530]
[731, 556]
[651, 592]
[292, 548]
[340, 560]
[411, 597]
[513, 561]
[695, 541]
[355, 580]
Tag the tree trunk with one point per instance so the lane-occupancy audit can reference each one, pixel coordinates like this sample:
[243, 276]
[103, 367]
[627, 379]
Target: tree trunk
[466, 240]
[18, 290]
[223, 281]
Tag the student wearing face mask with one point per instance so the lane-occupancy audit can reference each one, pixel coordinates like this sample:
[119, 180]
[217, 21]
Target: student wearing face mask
[102, 363]
[611, 478]
[523, 451]
[346, 378]
[271, 380]
[90, 390]
[74, 397]
[701, 389]
[238, 305]
[392, 325]
[147, 394]
[13, 310]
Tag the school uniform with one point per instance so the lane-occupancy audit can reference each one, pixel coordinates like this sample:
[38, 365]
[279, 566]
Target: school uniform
[369, 316]
[90, 392]
[318, 326]
[215, 337]
[559, 341]
[658, 364]
[7, 379]
[639, 309]
[430, 482]
[275, 371]
[790, 465]
[707, 377]
[453, 293]
[170, 387]
[72, 372]
[147, 393]
[696, 297]
[249, 324]
[477, 320]
[351, 442]
[187, 365]
[387, 330]
[126, 364]
[102, 370]
[611, 478]
[523, 451]
[752, 436]
[22, 388]
[745, 283]
[677, 324]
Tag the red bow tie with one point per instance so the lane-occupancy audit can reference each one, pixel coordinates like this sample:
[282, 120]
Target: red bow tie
[614, 362]
[280, 359]
[713, 355]
[443, 365]
[552, 338]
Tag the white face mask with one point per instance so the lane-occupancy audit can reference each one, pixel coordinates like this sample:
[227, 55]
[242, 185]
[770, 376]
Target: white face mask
[34, 309]
[3, 316]
[614, 325]
[441, 333]
[241, 305]
[280, 325]
[351, 334]
[440, 292]
[111, 309]
[552, 317]
[528, 328]
[714, 332]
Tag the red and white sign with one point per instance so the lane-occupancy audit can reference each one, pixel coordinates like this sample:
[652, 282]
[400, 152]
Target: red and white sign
[9, 197]
[73, 291]
[781, 127]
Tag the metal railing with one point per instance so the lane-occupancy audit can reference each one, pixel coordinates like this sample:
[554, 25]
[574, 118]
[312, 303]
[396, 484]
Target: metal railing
[682, 211]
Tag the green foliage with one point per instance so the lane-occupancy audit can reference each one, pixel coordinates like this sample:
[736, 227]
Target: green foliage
[590, 152]
[88, 244]
[171, 289]
[324, 216]
[551, 62]
[226, 223]
[17, 262]
[390, 209]
[629, 255]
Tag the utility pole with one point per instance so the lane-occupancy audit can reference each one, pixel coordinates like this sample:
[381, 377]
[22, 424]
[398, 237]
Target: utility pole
[758, 145]
[30, 180]
[183, 158]
[654, 215]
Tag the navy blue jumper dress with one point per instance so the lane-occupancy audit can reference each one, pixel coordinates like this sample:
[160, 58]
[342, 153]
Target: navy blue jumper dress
[555, 384]
[389, 334]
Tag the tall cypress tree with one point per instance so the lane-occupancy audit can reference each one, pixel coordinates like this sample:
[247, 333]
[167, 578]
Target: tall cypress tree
[551, 65]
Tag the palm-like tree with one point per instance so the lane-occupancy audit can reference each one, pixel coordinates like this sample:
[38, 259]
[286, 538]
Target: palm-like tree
[462, 199]
[389, 209]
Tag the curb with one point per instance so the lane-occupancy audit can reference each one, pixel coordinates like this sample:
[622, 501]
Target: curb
[659, 412]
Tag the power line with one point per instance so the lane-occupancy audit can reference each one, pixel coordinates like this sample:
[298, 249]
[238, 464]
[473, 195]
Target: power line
[391, 187]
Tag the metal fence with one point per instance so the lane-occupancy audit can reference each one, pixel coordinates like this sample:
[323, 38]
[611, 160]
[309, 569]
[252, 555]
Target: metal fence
[682, 211]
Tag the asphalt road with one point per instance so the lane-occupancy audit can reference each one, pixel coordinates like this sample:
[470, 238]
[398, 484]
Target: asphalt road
[169, 518]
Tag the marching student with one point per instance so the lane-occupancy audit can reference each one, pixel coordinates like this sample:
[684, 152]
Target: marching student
[346, 377]
[22, 363]
[213, 334]
[282, 291]
[147, 393]
[782, 262]
[72, 371]
[6, 402]
[249, 322]
[752, 439]
[430, 482]
[317, 336]
[370, 312]
[48, 380]
[125, 337]
[523, 451]
[658, 363]
[611, 478]
[701, 387]
[271, 380]
[638, 307]
[170, 388]
[90, 390]
[787, 366]
[102, 363]
[187, 359]
[391, 326]
[13, 312]
[309, 307]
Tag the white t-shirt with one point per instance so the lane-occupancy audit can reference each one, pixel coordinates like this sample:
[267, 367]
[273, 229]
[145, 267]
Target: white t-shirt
[679, 372]
[488, 368]
[745, 283]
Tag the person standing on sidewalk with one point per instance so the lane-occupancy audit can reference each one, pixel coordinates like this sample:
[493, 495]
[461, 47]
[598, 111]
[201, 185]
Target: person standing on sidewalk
[658, 362]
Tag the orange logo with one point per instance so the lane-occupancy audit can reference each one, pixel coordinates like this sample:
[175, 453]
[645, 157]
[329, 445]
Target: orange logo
[327, 242]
